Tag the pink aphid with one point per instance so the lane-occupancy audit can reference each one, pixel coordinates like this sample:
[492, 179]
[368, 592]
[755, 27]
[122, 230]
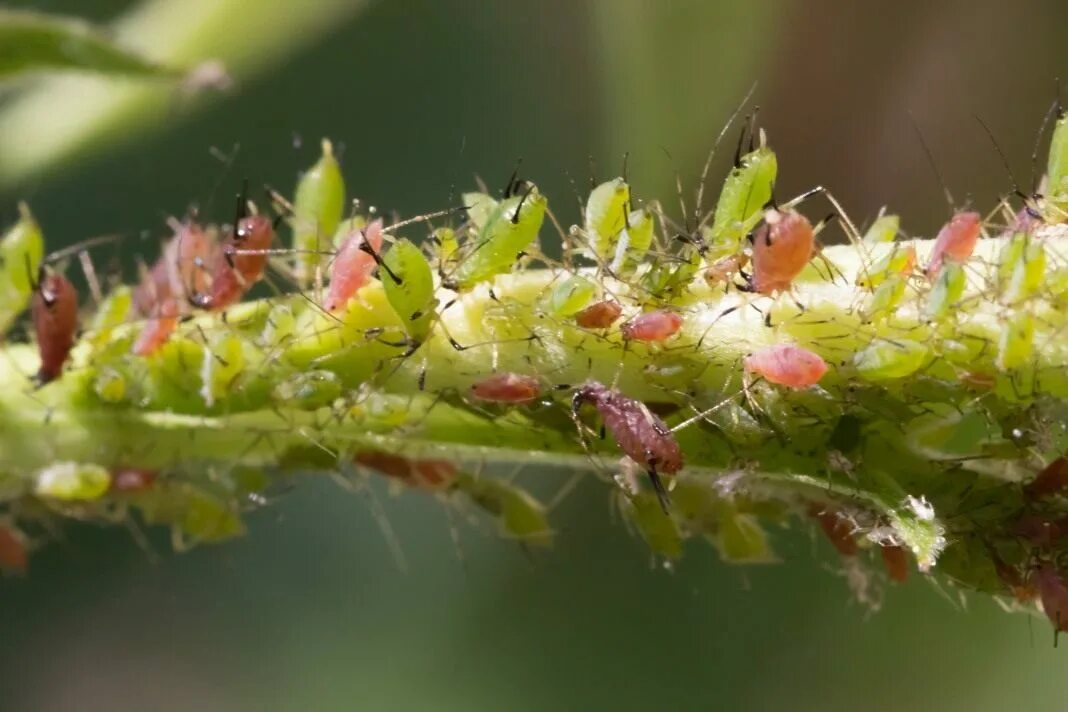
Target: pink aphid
[640, 434]
[158, 329]
[353, 265]
[658, 325]
[238, 265]
[1054, 594]
[54, 309]
[787, 365]
[599, 315]
[180, 272]
[956, 240]
[782, 246]
[506, 388]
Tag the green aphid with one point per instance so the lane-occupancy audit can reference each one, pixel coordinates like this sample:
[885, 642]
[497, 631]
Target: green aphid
[279, 327]
[1023, 269]
[634, 241]
[518, 513]
[897, 262]
[480, 208]
[884, 360]
[317, 208]
[668, 278]
[1017, 342]
[746, 190]
[109, 385]
[1057, 168]
[947, 290]
[72, 481]
[884, 229]
[222, 361]
[114, 311]
[509, 232]
[885, 298]
[21, 252]
[308, 390]
[206, 519]
[740, 539]
[606, 217]
[409, 286]
[659, 530]
[570, 296]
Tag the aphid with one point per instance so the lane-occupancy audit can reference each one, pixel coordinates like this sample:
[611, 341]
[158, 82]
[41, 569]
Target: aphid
[787, 365]
[658, 528]
[634, 240]
[1057, 165]
[599, 315]
[896, 562]
[838, 529]
[109, 385]
[723, 270]
[956, 239]
[308, 389]
[409, 286]
[639, 433]
[55, 319]
[158, 329]
[782, 246]
[1021, 589]
[1053, 479]
[1017, 341]
[181, 272]
[480, 208]
[885, 359]
[421, 474]
[947, 290]
[506, 388]
[508, 233]
[317, 208]
[21, 252]
[519, 515]
[658, 325]
[898, 262]
[746, 190]
[238, 265]
[72, 481]
[128, 480]
[13, 554]
[884, 229]
[353, 265]
[606, 216]
[1025, 268]
[570, 296]
[1053, 592]
[222, 361]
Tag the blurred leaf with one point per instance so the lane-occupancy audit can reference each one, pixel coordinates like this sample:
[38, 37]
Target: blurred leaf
[31, 41]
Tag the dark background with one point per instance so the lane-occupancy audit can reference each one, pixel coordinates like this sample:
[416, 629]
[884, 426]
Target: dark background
[311, 611]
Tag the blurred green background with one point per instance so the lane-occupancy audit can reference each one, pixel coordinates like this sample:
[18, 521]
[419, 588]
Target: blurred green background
[311, 610]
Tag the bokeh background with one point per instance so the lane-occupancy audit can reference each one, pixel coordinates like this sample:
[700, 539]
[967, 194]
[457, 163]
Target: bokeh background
[311, 611]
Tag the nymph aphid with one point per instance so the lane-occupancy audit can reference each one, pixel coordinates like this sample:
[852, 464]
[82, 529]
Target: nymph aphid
[238, 264]
[353, 265]
[787, 365]
[599, 315]
[658, 325]
[506, 388]
[54, 308]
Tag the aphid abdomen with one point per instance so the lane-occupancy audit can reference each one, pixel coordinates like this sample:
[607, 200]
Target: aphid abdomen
[55, 319]
[640, 434]
[353, 265]
[239, 264]
[658, 325]
[599, 315]
[956, 239]
[506, 388]
[782, 247]
[787, 365]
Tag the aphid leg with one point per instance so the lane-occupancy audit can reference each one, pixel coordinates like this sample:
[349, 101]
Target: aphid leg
[661, 491]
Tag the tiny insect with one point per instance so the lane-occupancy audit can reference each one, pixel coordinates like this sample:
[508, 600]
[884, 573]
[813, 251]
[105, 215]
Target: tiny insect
[896, 562]
[13, 555]
[420, 474]
[126, 480]
[1053, 592]
[238, 265]
[1053, 479]
[724, 269]
[599, 315]
[181, 270]
[837, 528]
[353, 265]
[956, 239]
[782, 246]
[658, 325]
[787, 365]
[638, 432]
[158, 329]
[54, 308]
[506, 388]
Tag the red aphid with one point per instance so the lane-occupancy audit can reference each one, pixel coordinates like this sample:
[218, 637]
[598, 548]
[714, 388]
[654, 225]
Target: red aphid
[639, 433]
[724, 269]
[599, 315]
[158, 329]
[421, 474]
[13, 555]
[1053, 592]
[956, 240]
[656, 325]
[838, 529]
[896, 562]
[506, 388]
[1051, 480]
[180, 272]
[127, 480]
[353, 265]
[239, 264]
[787, 365]
[55, 319]
[782, 246]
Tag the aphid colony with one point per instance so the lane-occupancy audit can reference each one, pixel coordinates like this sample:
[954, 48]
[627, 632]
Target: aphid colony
[862, 386]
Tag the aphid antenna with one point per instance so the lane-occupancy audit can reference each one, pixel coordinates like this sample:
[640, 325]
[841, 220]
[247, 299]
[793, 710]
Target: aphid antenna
[60, 254]
[513, 181]
[227, 161]
[426, 217]
[934, 165]
[699, 197]
[1028, 200]
[1055, 108]
[703, 414]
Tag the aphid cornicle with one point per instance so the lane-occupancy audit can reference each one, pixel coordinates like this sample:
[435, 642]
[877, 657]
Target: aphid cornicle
[353, 265]
[506, 388]
[658, 325]
[55, 319]
[787, 365]
[782, 246]
[599, 315]
[956, 239]
[239, 264]
[639, 433]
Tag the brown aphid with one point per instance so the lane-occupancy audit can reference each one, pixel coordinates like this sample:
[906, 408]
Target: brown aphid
[896, 562]
[599, 315]
[239, 264]
[13, 554]
[54, 309]
[838, 529]
[1051, 480]
[1053, 593]
[420, 474]
[782, 246]
[638, 432]
[506, 388]
[128, 480]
